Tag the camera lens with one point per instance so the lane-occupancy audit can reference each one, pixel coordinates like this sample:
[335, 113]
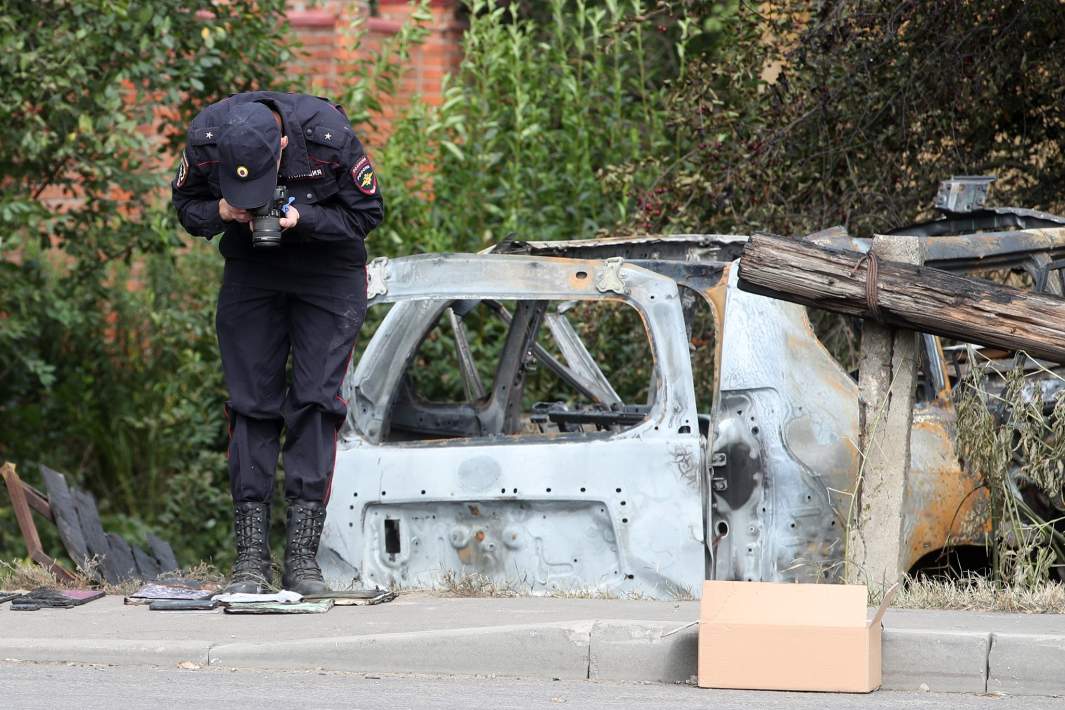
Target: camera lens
[266, 230]
[266, 221]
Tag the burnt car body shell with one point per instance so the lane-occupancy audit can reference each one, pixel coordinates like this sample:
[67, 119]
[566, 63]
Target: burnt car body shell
[619, 511]
[654, 509]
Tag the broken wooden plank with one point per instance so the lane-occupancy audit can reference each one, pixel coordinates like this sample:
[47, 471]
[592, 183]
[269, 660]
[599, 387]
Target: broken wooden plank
[163, 553]
[66, 518]
[38, 502]
[93, 531]
[24, 516]
[915, 297]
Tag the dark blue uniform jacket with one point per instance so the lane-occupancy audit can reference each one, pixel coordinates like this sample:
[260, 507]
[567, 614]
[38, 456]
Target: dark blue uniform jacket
[324, 167]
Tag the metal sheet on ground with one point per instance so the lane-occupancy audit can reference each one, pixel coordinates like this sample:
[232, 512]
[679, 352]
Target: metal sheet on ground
[365, 597]
[317, 607]
[46, 598]
[153, 592]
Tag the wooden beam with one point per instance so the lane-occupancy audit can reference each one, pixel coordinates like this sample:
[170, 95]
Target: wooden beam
[907, 296]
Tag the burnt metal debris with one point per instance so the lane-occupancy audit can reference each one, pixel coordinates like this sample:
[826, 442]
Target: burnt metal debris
[48, 598]
[595, 494]
[97, 554]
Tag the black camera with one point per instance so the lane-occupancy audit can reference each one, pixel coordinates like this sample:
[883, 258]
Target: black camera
[266, 220]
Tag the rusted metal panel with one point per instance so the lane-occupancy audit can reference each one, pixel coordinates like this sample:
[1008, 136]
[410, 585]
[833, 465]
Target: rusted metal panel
[945, 505]
[786, 429]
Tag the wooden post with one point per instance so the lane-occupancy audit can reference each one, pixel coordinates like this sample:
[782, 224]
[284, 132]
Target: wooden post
[887, 380]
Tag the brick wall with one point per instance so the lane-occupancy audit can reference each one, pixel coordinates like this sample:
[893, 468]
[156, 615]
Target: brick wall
[328, 60]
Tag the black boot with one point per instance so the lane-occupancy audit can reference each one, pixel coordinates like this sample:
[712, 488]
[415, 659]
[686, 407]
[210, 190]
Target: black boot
[305, 522]
[252, 570]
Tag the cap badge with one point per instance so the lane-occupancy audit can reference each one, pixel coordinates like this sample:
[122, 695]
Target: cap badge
[242, 171]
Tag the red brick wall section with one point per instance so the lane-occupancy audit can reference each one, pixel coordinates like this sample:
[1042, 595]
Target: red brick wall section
[327, 60]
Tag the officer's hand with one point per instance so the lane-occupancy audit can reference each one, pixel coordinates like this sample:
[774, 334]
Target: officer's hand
[229, 213]
[292, 216]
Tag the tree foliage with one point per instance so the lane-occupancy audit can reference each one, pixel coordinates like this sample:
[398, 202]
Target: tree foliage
[107, 363]
[543, 105]
[837, 112]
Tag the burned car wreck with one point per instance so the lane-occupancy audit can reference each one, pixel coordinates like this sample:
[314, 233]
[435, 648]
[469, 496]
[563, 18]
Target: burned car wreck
[730, 454]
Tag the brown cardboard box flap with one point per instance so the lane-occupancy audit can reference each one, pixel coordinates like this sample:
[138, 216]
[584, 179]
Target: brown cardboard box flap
[889, 596]
[764, 604]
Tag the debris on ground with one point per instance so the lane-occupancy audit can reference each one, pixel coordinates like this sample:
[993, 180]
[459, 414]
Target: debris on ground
[282, 597]
[184, 605]
[99, 555]
[153, 592]
[48, 598]
[361, 597]
[301, 607]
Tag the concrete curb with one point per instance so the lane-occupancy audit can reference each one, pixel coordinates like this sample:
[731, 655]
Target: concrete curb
[554, 650]
[1026, 664]
[118, 652]
[600, 649]
[643, 651]
[939, 661]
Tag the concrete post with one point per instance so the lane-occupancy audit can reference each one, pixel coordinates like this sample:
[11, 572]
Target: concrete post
[887, 379]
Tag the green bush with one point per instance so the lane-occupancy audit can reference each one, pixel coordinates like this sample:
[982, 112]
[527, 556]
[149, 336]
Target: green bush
[540, 136]
[546, 132]
[109, 370]
[539, 111]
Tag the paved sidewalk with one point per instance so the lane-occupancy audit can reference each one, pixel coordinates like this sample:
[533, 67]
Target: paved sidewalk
[524, 637]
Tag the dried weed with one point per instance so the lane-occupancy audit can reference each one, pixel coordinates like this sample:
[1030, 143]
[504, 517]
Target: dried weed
[475, 584]
[1016, 443]
[24, 575]
[978, 594]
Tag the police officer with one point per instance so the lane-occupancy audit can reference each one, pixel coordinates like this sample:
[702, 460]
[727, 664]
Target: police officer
[305, 297]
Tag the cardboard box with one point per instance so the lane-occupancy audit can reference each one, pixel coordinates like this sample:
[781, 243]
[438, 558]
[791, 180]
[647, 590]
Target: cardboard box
[765, 636]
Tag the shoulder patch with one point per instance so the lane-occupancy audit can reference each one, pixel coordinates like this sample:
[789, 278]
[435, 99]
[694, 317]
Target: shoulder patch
[326, 135]
[203, 136]
[182, 171]
[365, 178]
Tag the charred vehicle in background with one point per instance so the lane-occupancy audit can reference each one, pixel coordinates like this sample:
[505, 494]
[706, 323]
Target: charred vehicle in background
[730, 453]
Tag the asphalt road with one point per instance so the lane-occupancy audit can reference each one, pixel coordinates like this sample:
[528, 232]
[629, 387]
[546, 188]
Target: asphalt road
[30, 686]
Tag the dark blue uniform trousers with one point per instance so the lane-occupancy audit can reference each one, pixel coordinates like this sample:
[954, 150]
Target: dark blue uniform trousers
[262, 318]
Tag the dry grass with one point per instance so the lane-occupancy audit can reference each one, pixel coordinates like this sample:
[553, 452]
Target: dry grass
[20, 575]
[1016, 442]
[474, 584]
[978, 594]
